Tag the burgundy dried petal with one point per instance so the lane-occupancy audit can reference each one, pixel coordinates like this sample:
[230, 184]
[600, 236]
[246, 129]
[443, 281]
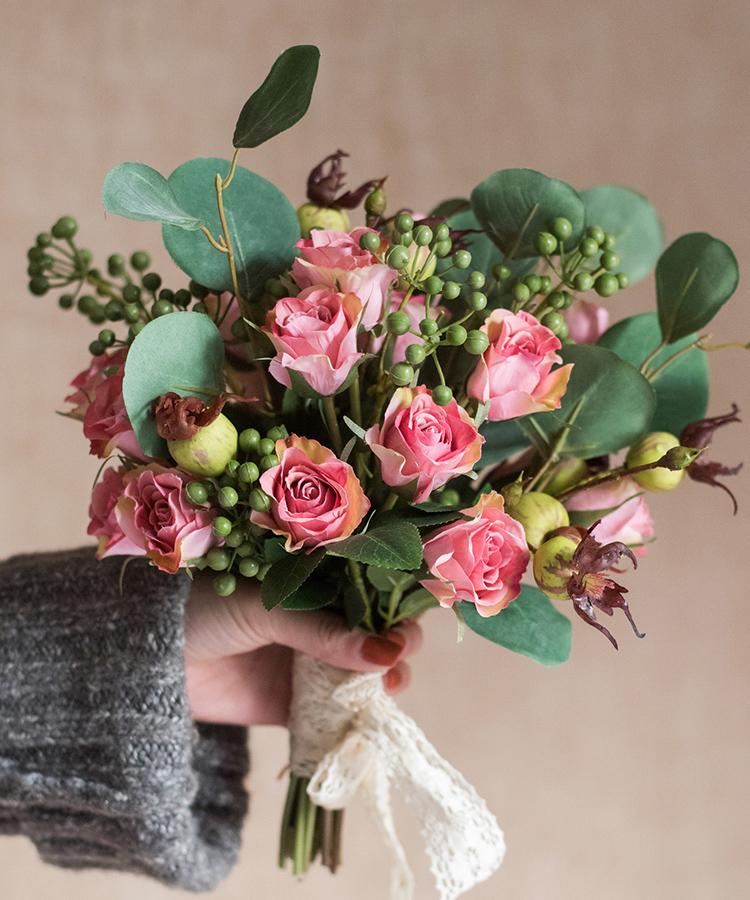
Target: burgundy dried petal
[591, 556]
[326, 179]
[352, 199]
[700, 433]
[706, 471]
[180, 418]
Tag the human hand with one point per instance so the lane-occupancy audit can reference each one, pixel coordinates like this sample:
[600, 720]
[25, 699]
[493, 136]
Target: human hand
[238, 655]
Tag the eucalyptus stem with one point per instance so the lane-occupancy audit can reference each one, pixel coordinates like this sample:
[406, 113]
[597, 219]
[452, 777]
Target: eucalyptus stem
[650, 358]
[225, 232]
[554, 453]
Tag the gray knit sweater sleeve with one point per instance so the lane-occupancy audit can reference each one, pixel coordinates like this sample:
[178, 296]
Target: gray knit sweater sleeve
[100, 762]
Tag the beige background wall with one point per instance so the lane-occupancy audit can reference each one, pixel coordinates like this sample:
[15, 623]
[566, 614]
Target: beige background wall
[616, 776]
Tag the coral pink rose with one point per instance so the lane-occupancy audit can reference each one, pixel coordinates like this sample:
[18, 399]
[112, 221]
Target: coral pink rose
[316, 498]
[630, 520]
[315, 335]
[103, 522]
[586, 321]
[106, 423]
[335, 259]
[156, 516]
[480, 560]
[86, 382]
[514, 374]
[421, 445]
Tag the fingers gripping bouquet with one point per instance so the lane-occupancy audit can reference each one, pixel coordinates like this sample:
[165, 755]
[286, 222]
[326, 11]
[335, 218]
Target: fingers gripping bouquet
[420, 412]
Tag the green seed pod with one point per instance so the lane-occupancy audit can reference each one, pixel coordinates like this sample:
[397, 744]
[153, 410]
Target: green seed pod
[462, 259]
[476, 342]
[456, 335]
[397, 258]
[218, 559]
[610, 260]
[65, 301]
[623, 280]
[428, 327]
[107, 337]
[235, 537]
[539, 513]
[443, 249]
[476, 280]
[65, 228]
[259, 500]
[404, 223]
[449, 497]
[182, 297]
[311, 216]
[116, 264]
[423, 236]
[609, 241]
[501, 271]
[161, 308]
[521, 293]
[606, 285]
[222, 526]
[546, 243]
[451, 290]
[442, 394]
[228, 497]
[415, 354]
[376, 202]
[370, 241]
[43, 239]
[595, 233]
[131, 293]
[208, 451]
[96, 348]
[225, 584]
[398, 322]
[39, 285]
[268, 462]
[561, 228]
[249, 439]
[546, 284]
[248, 472]
[277, 433]
[533, 283]
[565, 474]
[140, 260]
[196, 492]
[151, 281]
[136, 328]
[477, 301]
[553, 320]
[552, 564]
[433, 285]
[649, 449]
[588, 247]
[583, 281]
[266, 445]
[442, 232]
[556, 300]
[402, 374]
[249, 568]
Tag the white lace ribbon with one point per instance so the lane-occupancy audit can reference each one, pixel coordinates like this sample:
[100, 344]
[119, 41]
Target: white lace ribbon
[349, 736]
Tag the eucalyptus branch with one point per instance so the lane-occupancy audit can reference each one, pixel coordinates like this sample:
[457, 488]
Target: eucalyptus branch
[650, 358]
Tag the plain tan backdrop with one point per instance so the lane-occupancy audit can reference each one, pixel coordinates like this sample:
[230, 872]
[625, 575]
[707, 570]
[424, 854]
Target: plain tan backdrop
[618, 775]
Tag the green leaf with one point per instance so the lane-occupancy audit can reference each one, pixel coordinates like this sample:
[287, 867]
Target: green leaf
[182, 352]
[393, 545]
[632, 220]
[353, 604]
[309, 597]
[529, 625]
[262, 226]
[387, 579]
[608, 404]
[695, 277]
[447, 208]
[502, 440]
[416, 603]
[287, 575]
[137, 191]
[682, 388]
[273, 549]
[514, 205]
[281, 100]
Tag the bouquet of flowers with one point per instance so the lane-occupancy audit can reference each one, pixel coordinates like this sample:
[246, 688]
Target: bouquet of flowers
[419, 412]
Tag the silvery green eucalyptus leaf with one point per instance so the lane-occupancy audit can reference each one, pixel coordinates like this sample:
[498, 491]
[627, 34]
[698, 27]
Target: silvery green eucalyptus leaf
[136, 191]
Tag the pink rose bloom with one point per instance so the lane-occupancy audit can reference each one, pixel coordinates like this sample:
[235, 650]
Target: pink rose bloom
[630, 520]
[106, 423]
[103, 522]
[160, 521]
[316, 498]
[86, 382]
[480, 560]
[421, 445]
[515, 372]
[587, 321]
[335, 259]
[315, 335]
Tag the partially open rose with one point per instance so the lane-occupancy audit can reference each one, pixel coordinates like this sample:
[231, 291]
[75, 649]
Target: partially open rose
[86, 382]
[103, 522]
[106, 423]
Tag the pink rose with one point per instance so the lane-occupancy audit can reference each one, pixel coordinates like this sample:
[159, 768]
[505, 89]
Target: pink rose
[630, 520]
[480, 559]
[106, 423]
[315, 335]
[586, 321]
[86, 382]
[316, 498]
[335, 259]
[103, 522]
[157, 518]
[421, 445]
[515, 373]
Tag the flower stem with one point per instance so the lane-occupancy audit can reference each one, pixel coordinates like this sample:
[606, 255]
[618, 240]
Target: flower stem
[332, 423]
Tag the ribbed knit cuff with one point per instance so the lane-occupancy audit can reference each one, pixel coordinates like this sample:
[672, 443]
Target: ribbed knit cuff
[100, 762]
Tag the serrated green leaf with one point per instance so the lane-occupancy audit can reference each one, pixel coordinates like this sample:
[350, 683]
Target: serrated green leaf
[309, 597]
[695, 277]
[514, 205]
[530, 625]
[628, 216]
[262, 227]
[393, 545]
[177, 353]
[281, 100]
[682, 388]
[287, 575]
[136, 191]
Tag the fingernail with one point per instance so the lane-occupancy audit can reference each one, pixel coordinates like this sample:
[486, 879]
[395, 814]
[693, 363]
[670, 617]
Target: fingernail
[392, 679]
[380, 651]
[397, 637]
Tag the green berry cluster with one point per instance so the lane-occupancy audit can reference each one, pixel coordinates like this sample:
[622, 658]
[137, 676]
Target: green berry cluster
[236, 493]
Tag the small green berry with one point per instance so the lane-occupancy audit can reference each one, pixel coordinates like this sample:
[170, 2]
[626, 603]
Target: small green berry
[116, 264]
[610, 260]
[442, 394]
[131, 293]
[595, 233]
[588, 247]
[268, 461]
[443, 249]
[65, 227]
[428, 327]
[404, 222]
[442, 232]
[277, 433]
[583, 281]
[476, 280]
[136, 328]
[228, 497]
[433, 285]
[166, 294]
[609, 241]
[39, 285]
[196, 492]
[231, 467]
[259, 500]
[43, 239]
[462, 259]
[556, 300]
[521, 293]
[623, 279]
[415, 354]
[249, 568]
[83, 258]
[113, 310]
[265, 446]
[370, 241]
[225, 585]
[501, 271]
[423, 236]
[131, 312]
[477, 301]
[35, 254]
[546, 243]
[376, 202]
[151, 281]
[533, 283]
[65, 301]
[140, 260]
[476, 342]
[397, 257]
[456, 335]
[200, 307]
[161, 308]
[245, 549]
[561, 228]
[222, 526]
[406, 239]
[546, 284]
[97, 316]
[96, 348]
[107, 337]
[451, 290]
[249, 439]
[402, 374]
[606, 285]
[553, 321]
[449, 497]
[248, 472]
[235, 537]
[182, 297]
[398, 322]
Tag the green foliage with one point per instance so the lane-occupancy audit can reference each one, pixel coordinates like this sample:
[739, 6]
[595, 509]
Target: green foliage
[262, 226]
[387, 579]
[137, 191]
[502, 440]
[682, 388]
[695, 277]
[530, 625]
[607, 406]
[392, 545]
[311, 595]
[182, 352]
[416, 603]
[286, 576]
[281, 100]
[514, 205]
[628, 216]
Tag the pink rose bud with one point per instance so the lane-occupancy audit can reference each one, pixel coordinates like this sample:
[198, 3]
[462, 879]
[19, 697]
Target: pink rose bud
[586, 321]
[421, 445]
[480, 560]
[106, 423]
[335, 259]
[86, 382]
[315, 335]
[103, 522]
[156, 516]
[629, 520]
[316, 498]
[514, 374]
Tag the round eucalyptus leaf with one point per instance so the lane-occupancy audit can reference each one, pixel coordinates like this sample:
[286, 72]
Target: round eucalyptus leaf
[632, 220]
[502, 440]
[137, 191]
[695, 277]
[682, 388]
[262, 226]
[608, 405]
[182, 352]
[514, 205]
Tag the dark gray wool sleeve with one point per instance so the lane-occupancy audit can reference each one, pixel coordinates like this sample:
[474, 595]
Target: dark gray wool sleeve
[100, 762]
